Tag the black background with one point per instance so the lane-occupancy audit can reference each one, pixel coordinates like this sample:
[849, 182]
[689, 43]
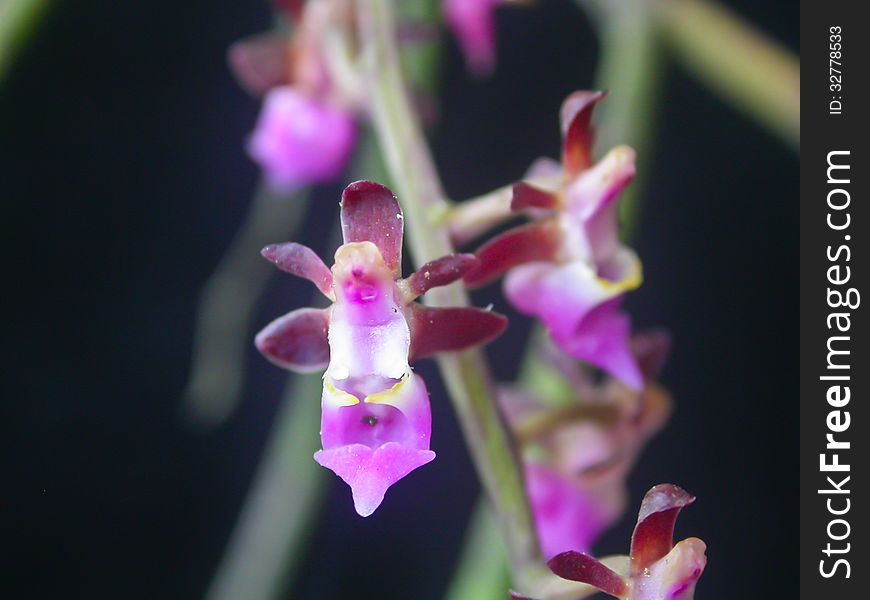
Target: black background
[123, 180]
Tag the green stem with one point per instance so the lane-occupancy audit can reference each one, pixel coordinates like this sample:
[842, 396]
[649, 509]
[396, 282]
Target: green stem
[267, 542]
[466, 374]
[18, 19]
[745, 66]
[482, 573]
[227, 303]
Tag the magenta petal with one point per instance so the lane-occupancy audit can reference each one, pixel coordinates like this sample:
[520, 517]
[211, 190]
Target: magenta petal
[537, 241]
[473, 24]
[260, 62]
[371, 213]
[439, 272]
[301, 261]
[653, 535]
[528, 196]
[577, 133]
[436, 330]
[300, 141]
[577, 566]
[297, 341]
[370, 472]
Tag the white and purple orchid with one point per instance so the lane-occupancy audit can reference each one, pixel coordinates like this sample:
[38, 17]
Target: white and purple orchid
[568, 267]
[376, 421]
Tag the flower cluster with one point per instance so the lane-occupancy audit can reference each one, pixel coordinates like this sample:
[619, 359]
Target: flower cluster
[567, 267]
[306, 129]
[376, 421]
[578, 454]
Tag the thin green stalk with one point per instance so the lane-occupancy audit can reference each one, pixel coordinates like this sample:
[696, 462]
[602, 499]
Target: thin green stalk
[466, 374]
[18, 19]
[482, 573]
[267, 543]
[741, 63]
[227, 304]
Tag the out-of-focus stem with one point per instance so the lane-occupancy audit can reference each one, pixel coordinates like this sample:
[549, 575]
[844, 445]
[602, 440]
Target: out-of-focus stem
[466, 374]
[482, 568]
[227, 303]
[265, 546]
[18, 18]
[745, 66]
[475, 216]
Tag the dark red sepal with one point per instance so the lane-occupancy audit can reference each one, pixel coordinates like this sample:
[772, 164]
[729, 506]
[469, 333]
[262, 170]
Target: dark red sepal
[653, 535]
[301, 261]
[577, 132]
[370, 213]
[436, 330]
[528, 196]
[576, 566]
[533, 242]
[297, 341]
[260, 62]
[439, 272]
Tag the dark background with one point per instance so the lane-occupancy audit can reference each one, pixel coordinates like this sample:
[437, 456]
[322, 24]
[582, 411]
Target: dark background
[123, 180]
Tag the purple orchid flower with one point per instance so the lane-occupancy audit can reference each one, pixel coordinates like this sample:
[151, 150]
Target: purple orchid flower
[567, 267]
[306, 130]
[376, 422]
[658, 569]
[577, 457]
[473, 24]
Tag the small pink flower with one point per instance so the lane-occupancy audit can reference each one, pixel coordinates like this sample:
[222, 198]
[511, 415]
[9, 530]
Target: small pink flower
[299, 140]
[376, 422]
[567, 267]
[576, 468]
[658, 569]
[473, 24]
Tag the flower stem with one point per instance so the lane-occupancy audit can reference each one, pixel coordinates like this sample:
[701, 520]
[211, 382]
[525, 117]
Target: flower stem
[265, 546]
[482, 568]
[466, 374]
[744, 65]
[18, 19]
[227, 303]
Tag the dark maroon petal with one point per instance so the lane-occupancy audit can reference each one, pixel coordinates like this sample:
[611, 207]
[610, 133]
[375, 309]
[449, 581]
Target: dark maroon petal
[577, 566]
[528, 196]
[370, 213]
[577, 131]
[654, 533]
[440, 271]
[292, 8]
[297, 341]
[515, 596]
[650, 350]
[261, 62]
[447, 329]
[301, 261]
[532, 242]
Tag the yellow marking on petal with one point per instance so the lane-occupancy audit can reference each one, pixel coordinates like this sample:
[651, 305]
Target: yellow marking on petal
[630, 282]
[338, 397]
[392, 396]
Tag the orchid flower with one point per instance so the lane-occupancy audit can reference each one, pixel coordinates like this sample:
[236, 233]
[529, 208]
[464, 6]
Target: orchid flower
[376, 421]
[567, 267]
[577, 457]
[306, 129]
[473, 24]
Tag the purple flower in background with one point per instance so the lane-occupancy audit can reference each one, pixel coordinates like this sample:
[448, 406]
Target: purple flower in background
[658, 569]
[567, 267]
[473, 24]
[306, 130]
[300, 141]
[577, 456]
[376, 422]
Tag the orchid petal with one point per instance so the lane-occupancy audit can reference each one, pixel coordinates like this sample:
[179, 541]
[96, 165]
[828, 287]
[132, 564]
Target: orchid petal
[653, 535]
[577, 133]
[370, 213]
[261, 62]
[651, 349]
[450, 329]
[439, 272]
[528, 196]
[675, 575]
[300, 261]
[370, 472]
[537, 241]
[473, 24]
[577, 566]
[297, 341]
